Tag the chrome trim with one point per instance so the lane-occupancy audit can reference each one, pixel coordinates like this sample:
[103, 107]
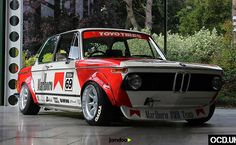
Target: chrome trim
[182, 83]
[188, 81]
[174, 82]
[184, 75]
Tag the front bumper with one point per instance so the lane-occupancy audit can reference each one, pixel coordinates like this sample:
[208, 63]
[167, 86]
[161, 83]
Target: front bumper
[170, 99]
[171, 114]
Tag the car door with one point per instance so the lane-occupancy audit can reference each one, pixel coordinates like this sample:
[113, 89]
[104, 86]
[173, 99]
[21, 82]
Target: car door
[61, 72]
[41, 85]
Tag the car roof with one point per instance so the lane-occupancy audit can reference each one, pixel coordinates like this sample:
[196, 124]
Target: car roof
[106, 29]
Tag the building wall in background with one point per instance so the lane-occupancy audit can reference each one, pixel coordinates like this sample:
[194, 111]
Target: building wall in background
[13, 47]
[2, 48]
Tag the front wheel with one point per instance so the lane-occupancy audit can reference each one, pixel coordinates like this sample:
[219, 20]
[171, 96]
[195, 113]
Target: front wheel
[200, 121]
[97, 109]
[26, 103]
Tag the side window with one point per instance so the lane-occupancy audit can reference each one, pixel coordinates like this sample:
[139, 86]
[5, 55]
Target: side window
[63, 47]
[46, 54]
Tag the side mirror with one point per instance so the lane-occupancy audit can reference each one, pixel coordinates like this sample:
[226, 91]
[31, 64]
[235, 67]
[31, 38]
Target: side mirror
[67, 60]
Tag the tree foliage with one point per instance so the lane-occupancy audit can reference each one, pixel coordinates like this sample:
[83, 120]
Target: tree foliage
[140, 14]
[204, 13]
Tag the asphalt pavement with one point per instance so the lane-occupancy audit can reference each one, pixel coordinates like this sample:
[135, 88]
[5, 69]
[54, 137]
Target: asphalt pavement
[60, 128]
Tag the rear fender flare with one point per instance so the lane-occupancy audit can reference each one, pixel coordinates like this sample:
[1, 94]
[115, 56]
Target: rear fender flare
[30, 84]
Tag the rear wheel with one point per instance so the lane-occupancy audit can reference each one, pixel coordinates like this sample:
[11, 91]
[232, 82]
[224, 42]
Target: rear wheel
[203, 120]
[26, 103]
[97, 109]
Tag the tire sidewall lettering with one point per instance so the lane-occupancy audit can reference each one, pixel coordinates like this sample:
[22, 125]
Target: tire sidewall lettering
[98, 113]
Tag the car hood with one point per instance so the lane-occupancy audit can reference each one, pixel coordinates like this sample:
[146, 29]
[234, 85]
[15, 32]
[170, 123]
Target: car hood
[144, 63]
[165, 64]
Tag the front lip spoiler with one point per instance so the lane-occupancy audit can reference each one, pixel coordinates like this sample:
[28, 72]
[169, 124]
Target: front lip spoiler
[153, 114]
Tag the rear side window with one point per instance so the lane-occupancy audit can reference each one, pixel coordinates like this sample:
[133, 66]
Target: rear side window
[67, 47]
[63, 47]
[46, 54]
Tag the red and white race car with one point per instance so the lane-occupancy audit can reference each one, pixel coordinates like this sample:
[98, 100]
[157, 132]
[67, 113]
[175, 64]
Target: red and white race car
[105, 73]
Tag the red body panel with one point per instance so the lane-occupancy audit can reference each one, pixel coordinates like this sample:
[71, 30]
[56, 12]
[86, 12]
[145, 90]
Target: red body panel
[99, 70]
[25, 76]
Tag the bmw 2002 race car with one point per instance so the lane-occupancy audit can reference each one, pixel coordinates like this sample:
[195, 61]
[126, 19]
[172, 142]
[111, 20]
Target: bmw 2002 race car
[104, 73]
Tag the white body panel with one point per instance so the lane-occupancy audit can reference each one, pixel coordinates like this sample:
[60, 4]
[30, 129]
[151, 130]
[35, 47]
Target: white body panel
[170, 99]
[57, 84]
[168, 65]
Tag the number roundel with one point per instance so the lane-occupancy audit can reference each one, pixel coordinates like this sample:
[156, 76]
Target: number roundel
[69, 81]
[68, 84]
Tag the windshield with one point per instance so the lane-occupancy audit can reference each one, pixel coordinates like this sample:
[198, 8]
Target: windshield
[107, 44]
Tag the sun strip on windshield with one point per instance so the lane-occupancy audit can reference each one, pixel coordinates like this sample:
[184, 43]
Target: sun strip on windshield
[97, 34]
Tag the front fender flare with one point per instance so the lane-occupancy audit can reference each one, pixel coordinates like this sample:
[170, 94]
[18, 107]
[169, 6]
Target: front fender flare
[103, 82]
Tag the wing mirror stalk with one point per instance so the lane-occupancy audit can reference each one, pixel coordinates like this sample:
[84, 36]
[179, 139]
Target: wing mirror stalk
[68, 60]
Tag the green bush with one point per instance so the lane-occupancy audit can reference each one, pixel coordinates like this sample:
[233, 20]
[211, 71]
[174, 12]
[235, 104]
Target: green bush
[226, 59]
[31, 60]
[195, 48]
[47, 57]
[28, 61]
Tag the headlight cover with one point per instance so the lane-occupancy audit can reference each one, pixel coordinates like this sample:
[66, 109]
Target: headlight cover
[217, 83]
[134, 81]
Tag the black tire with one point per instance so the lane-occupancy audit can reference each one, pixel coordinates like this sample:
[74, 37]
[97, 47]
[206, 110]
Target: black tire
[117, 114]
[104, 110]
[203, 120]
[30, 108]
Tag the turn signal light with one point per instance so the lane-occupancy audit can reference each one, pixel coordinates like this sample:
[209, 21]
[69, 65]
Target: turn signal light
[119, 70]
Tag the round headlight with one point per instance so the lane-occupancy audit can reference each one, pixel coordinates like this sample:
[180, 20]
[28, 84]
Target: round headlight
[134, 81]
[216, 83]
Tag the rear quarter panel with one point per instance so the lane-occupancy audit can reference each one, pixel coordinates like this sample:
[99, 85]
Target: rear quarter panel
[25, 77]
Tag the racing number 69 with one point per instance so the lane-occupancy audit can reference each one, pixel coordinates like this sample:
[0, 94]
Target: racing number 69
[68, 85]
